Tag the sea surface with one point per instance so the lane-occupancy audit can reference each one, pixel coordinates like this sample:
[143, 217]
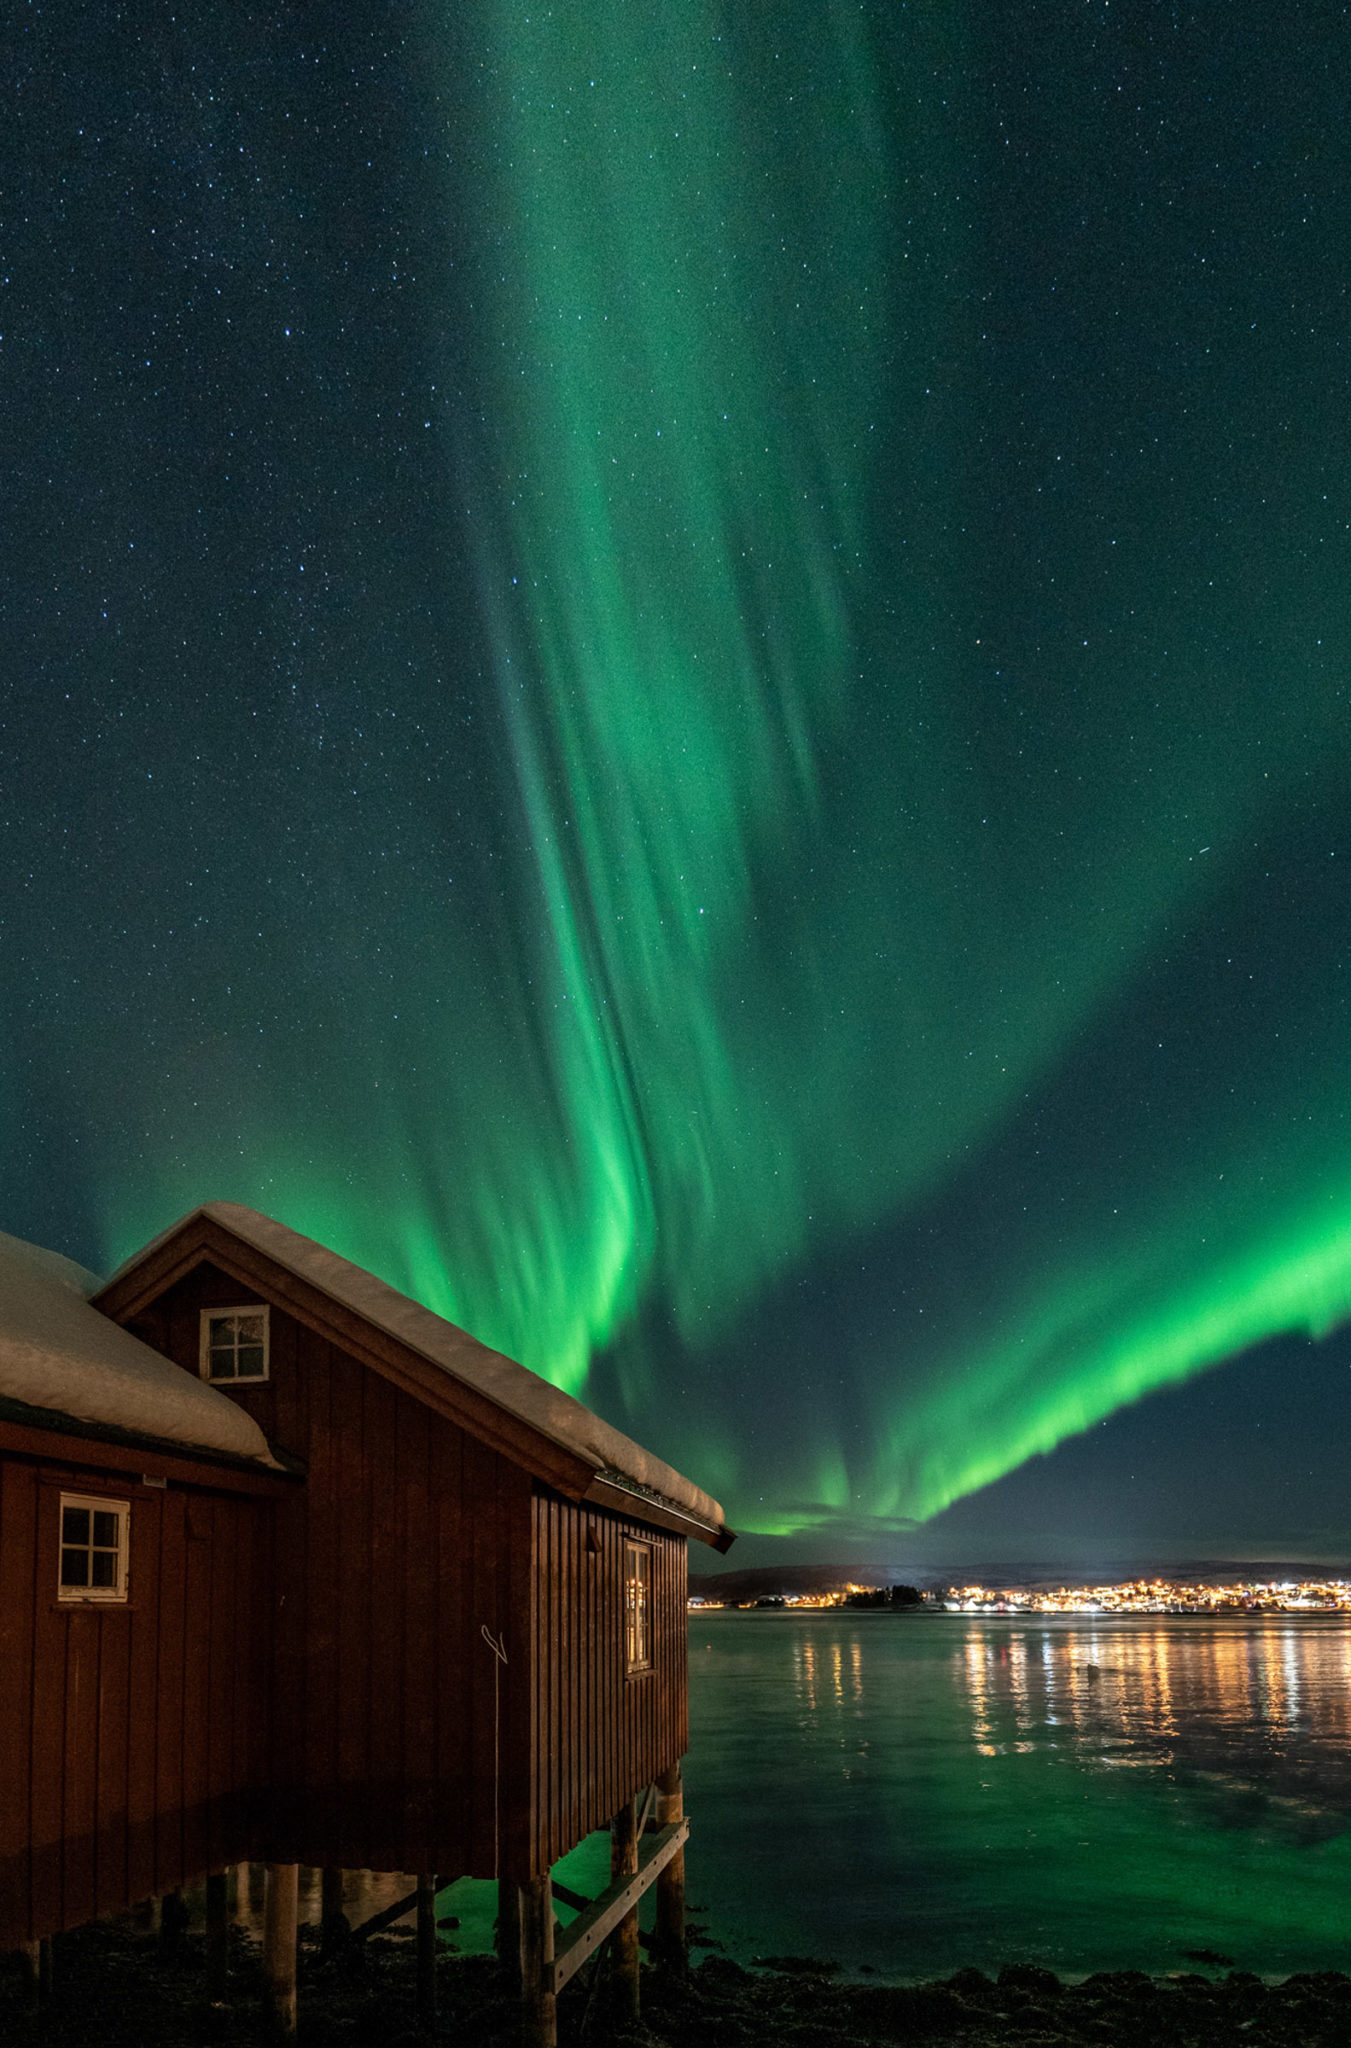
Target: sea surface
[909, 1794]
[913, 1793]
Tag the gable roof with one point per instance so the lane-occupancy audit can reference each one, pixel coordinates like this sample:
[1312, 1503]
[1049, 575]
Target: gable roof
[613, 1469]
[61, 1359]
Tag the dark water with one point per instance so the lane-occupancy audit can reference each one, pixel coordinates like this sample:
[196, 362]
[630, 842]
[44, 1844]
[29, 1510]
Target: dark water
[917, 1793]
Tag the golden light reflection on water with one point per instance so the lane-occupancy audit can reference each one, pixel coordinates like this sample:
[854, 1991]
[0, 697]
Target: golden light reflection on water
[1120, 1692]
[804, 1674]
[978, 1650]
[1265, 1704]
[836, 1671]
[828, 1688]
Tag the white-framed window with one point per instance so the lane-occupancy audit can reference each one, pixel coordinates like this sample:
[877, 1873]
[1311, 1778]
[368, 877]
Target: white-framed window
[234, 1344]
[637, 1606]
[95, 1547]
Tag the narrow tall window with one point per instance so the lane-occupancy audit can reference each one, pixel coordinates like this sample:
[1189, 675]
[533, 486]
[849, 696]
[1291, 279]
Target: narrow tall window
[637, 1606]
[234, 1344]
[94, 1547]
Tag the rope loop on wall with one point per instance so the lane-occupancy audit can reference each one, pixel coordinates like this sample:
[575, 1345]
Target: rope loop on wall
[498, 1646]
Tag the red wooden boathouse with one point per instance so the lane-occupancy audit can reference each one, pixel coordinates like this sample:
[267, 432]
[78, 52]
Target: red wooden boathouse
[293, 1570]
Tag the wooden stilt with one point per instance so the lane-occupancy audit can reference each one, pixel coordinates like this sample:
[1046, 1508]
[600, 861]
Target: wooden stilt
[173, 1918]
[334, 1926]
[624, 1940]
[280, 1915]
[217, 1933]
[509, 1927]
[539, 2006]
[32, 1976]
[426, 1950]
[670, 1945]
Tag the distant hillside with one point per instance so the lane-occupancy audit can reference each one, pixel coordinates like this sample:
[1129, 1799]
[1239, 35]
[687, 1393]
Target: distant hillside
[766, 1580]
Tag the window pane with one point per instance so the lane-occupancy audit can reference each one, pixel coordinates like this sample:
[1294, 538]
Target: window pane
[105, 1529]
[105, 1568]
[637, 1569]
[74, 1525]
[74, 1568]
[250, 1329]
[250, 1366]
[222, 1366]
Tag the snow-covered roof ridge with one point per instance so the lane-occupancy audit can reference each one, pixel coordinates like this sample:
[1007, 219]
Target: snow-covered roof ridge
[59, 1354]
[510, 1385]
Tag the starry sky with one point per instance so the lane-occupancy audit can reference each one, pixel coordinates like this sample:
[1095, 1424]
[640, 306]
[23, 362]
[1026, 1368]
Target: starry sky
[679, 676]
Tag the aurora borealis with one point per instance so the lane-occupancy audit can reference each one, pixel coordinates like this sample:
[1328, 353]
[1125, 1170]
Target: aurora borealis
[679, 676]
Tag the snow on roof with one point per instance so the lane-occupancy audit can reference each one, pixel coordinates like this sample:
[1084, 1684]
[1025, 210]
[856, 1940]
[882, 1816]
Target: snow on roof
[513, 1387]
[58, 1353]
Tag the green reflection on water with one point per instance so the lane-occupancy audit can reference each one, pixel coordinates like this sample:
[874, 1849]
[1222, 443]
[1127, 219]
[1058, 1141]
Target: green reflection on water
[919, 1795]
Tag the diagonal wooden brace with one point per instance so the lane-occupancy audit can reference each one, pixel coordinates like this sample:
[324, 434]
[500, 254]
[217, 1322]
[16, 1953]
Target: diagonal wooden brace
[574, 1944]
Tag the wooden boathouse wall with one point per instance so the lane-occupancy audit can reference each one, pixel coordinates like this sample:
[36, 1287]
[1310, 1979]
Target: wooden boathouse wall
[401, 1742]
[599, 1732]
[135, 1733]
[407, 1540]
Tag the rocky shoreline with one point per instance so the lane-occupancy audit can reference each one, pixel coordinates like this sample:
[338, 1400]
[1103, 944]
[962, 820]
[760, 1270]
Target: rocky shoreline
[118, 1987]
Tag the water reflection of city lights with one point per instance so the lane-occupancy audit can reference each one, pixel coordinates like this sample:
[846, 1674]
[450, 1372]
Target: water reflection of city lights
[1116, 1693]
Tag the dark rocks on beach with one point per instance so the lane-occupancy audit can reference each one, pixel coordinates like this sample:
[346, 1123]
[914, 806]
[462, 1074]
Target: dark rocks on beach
[118, 1987]
[1030, 1980]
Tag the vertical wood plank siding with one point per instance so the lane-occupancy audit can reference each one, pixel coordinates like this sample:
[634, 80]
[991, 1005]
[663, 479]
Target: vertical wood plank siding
[127, 1769]
[391, 1719]
[599, 1732]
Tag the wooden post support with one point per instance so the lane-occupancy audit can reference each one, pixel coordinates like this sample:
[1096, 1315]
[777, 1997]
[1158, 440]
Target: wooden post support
[426, 1950]
[334, 1926]
[217, 1933]
[32, 1976]
[624, 1940]
[670, 1946]
[280, 1916]
[173, 1919]
[508, 1933]
[539, 2006]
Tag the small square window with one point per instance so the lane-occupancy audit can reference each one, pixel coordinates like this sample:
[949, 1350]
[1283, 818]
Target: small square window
[234, 1344]
[637, 1607]
[95, 1542]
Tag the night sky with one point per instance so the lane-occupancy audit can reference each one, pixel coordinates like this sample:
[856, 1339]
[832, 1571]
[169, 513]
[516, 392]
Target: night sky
[678, 674]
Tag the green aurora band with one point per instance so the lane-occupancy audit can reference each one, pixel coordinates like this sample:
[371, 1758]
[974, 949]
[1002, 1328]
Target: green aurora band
[838, 834]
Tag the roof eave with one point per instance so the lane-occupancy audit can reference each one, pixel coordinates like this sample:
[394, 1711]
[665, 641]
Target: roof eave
[50, 1433]
[606, 1491]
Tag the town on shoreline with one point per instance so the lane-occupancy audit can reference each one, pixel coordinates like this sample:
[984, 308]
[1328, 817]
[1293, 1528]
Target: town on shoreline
[1130, 1596]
